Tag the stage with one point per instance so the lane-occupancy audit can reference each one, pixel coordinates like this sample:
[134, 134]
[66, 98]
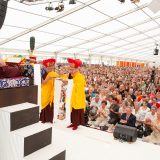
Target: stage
[90, 144]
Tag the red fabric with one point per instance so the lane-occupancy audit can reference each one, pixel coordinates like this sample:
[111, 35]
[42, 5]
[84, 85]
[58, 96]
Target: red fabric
[139, 98]
[49, 62]
[77, 117]
[158, 104]
[33, 58]
[10, 72]
[46, 114]
[76, 62]
[1, 73]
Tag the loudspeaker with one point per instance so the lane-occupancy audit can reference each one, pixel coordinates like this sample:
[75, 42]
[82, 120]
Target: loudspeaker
[125, 133]
[32, 43]
[3, 10]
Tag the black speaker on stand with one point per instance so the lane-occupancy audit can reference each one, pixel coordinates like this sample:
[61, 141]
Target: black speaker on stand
[3, 10]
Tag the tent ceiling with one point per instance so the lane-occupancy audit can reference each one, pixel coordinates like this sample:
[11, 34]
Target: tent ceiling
[98, 27]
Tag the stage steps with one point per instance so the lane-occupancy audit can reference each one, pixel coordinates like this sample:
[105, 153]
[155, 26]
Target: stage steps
[21, 133]
[20, 115]
[32, 138]
[49, 152]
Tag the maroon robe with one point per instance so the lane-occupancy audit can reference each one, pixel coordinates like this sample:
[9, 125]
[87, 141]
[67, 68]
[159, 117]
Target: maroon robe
[46, 114]
[9, 72]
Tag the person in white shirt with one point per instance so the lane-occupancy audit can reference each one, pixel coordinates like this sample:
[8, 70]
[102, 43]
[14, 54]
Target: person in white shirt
[142, 112]
[94, 106]
[154, 137]
[151, 115]
[96, 102]
[135, 112]
[122, 109]
[102, 115]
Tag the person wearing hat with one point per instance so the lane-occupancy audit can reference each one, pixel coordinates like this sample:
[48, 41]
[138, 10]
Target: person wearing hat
[78, 97]
[33, 59]
[48, 77]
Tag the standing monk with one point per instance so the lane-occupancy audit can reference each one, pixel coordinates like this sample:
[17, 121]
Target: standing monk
[48, 77]
[78, 97]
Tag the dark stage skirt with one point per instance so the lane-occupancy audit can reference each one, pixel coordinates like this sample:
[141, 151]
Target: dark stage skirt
[77, 117]
[46, 114]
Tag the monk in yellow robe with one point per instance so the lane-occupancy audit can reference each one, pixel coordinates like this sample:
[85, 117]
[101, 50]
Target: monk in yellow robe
[48, 78]
[78, 97]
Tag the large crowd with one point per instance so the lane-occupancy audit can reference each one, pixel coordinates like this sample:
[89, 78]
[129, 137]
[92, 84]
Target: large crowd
[124, 95]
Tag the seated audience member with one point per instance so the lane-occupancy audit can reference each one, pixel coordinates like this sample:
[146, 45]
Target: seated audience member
[139, 96]
[147, 130]
[143, 86]
[114, 112]
[102, 115]
[93, 113]
[128, 118]
[88, 97]
[129, 100]
[96, 102]
[119, 97]
[135, 112]
[122, 109]
[155, 135]
[132, 94]
[8, 71]
[142, 112]
[149, 118]
[109, 99]
[102, 95]
[152, 114]
[94, 106]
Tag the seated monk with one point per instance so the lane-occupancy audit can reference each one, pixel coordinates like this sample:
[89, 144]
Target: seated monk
[8, 71]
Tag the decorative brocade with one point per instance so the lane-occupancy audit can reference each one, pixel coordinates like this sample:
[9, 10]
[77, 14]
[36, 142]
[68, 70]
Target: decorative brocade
[14, 82]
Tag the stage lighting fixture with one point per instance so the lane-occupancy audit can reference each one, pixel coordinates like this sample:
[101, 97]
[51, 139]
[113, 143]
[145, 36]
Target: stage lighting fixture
[156, 50]
[49, 7]
[72, 2]
[60, 7]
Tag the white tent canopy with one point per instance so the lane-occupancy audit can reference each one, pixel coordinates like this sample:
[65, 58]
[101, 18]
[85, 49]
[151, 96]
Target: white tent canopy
[91, 28]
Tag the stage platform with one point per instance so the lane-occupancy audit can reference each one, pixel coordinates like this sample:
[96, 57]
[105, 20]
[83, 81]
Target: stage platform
[91, 144]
